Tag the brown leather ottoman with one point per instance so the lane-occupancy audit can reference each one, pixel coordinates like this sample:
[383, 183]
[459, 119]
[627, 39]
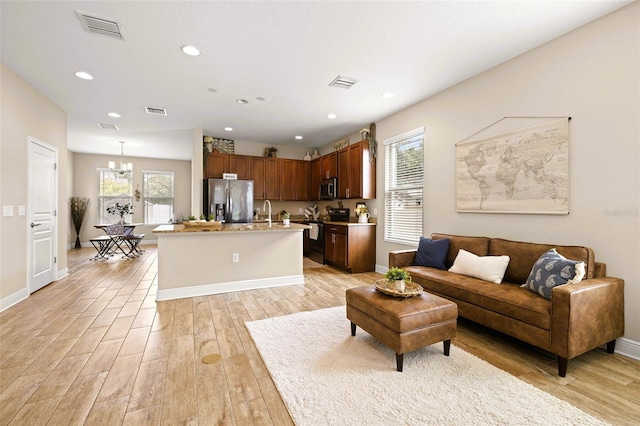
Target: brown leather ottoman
[402, 324]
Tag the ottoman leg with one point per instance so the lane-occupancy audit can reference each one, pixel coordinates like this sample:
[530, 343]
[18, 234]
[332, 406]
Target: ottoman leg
[353, 328]
[447, 346]
[399, 359]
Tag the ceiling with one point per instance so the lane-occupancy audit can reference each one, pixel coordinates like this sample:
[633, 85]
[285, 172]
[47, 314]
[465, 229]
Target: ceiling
[285, 52]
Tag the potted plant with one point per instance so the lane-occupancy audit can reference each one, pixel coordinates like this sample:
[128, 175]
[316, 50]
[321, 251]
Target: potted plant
[120, 209]
[362, 212]
[286, 217]
[399, 276]
[192, 218]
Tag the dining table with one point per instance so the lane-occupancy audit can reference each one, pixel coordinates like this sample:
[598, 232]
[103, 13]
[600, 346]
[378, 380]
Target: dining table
[117, 237]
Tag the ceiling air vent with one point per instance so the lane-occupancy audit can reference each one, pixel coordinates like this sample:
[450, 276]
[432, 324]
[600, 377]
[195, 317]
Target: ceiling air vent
[93, 24]
[108, 126]
[156, 111]
[343, 82]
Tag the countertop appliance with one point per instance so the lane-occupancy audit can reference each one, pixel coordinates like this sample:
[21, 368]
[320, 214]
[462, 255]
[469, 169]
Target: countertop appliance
[228, 200]
[339, 215]
[329, 189]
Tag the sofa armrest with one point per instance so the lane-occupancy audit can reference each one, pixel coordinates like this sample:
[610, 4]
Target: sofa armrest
[400, 258]
[586, 315]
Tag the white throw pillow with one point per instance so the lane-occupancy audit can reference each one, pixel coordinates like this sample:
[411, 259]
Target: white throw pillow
[488, 268]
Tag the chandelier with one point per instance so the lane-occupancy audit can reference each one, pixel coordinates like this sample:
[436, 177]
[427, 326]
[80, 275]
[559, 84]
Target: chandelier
[125, 168]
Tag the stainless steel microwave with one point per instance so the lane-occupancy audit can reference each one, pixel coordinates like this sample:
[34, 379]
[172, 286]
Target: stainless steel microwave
[329, 189]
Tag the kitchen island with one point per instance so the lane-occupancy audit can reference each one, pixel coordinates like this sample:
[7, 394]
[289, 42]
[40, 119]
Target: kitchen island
[198, 262]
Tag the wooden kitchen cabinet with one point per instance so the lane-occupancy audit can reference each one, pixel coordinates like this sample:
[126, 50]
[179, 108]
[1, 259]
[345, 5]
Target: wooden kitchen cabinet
[240, 165]
[218, 164]
[356, 174]
[295, 180]
[315, 177]
[265, 172]
[351, 248]
[329, 166]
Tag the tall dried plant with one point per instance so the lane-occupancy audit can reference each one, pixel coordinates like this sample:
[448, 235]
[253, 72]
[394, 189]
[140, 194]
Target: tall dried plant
[78, 210]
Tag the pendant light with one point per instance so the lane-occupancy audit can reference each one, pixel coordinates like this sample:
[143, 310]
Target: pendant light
[125, 169]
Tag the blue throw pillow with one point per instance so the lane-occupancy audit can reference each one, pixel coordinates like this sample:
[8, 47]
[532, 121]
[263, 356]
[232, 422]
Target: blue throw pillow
[551, 270]
[432, 252]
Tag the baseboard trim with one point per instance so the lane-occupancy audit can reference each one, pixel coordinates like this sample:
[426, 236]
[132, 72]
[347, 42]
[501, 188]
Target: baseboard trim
[12, 299]
[62, 273]
[628, 347]
[208, 289]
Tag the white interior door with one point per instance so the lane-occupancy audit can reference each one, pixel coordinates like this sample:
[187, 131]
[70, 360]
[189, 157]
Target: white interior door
[43, 200]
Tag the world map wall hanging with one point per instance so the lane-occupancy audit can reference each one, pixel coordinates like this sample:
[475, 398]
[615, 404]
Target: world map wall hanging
[515, 167]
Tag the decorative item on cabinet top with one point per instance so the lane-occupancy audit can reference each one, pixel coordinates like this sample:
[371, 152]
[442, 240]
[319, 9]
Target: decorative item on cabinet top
[270, 152]
[369, 135]
[225, 146]
[342, 143]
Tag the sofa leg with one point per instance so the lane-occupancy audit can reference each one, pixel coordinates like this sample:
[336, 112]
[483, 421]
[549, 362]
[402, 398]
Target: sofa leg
[562, 366]
[447, 347]
[353, 329]
[611, 346]
[399, 359]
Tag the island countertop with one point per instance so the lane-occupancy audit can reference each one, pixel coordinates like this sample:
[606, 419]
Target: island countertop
[231, 227]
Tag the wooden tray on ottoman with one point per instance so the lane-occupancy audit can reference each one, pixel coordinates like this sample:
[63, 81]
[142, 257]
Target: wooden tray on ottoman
[389, 287]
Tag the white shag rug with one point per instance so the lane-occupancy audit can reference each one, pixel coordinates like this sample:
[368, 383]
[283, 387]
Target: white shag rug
[328, 377]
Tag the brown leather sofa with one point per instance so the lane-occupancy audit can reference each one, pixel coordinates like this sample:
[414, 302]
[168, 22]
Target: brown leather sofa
[578, 318]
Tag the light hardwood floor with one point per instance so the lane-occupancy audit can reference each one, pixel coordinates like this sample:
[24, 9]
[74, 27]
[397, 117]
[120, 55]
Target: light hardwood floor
[96, 348]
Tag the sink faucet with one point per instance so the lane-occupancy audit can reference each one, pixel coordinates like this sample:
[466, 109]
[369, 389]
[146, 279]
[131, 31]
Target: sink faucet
[269, 212]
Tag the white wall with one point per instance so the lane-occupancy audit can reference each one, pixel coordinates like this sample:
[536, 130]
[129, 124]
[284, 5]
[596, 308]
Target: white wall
[591, 74]
[26, 112]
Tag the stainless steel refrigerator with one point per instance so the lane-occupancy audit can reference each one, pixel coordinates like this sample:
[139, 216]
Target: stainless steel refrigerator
[229, 200]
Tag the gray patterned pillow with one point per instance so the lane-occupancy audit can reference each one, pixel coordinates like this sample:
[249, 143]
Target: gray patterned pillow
[551, 270]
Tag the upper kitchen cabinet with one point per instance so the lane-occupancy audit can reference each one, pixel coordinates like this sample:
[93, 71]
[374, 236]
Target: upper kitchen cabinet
[295, 180]
[240, 165]
[315, 176]
[356, 174]
[218, 164]
[329, 167]
[265, 172]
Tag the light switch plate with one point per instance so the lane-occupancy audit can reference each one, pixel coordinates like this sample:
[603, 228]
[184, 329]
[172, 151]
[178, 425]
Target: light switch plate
[22, 210]
[7, 211]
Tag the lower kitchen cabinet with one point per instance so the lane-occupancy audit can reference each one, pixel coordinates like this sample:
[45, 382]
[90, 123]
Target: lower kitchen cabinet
[351, 247]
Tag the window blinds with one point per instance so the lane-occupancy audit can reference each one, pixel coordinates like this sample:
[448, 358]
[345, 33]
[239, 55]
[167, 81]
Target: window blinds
[404, 182]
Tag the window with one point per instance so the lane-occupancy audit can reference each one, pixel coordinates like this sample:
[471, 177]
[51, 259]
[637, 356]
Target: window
[114, 188]
[403, 185]
[157, 191]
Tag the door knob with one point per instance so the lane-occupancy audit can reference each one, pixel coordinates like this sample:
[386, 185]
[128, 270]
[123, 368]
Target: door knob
[33, 225]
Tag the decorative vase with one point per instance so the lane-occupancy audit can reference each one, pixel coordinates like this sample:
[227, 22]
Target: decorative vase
[400, 285]
[307, 157]
[315, 154]
[78, 245]
[363, 218]
[286, 222]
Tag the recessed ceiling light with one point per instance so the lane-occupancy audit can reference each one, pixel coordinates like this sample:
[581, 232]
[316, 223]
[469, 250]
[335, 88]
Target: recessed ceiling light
[190, 50]
[299, 137]
[229, 129]
[260, 98]
[83, 75]
[331, 116]
[242, 101]
[387, 95]
[114, 115]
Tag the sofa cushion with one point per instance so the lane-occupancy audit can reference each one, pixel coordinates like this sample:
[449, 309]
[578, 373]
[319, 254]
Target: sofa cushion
[488, 268]
[524, 255]
[551, 270]
[432, 252]
[476, 245]
[506, 299]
